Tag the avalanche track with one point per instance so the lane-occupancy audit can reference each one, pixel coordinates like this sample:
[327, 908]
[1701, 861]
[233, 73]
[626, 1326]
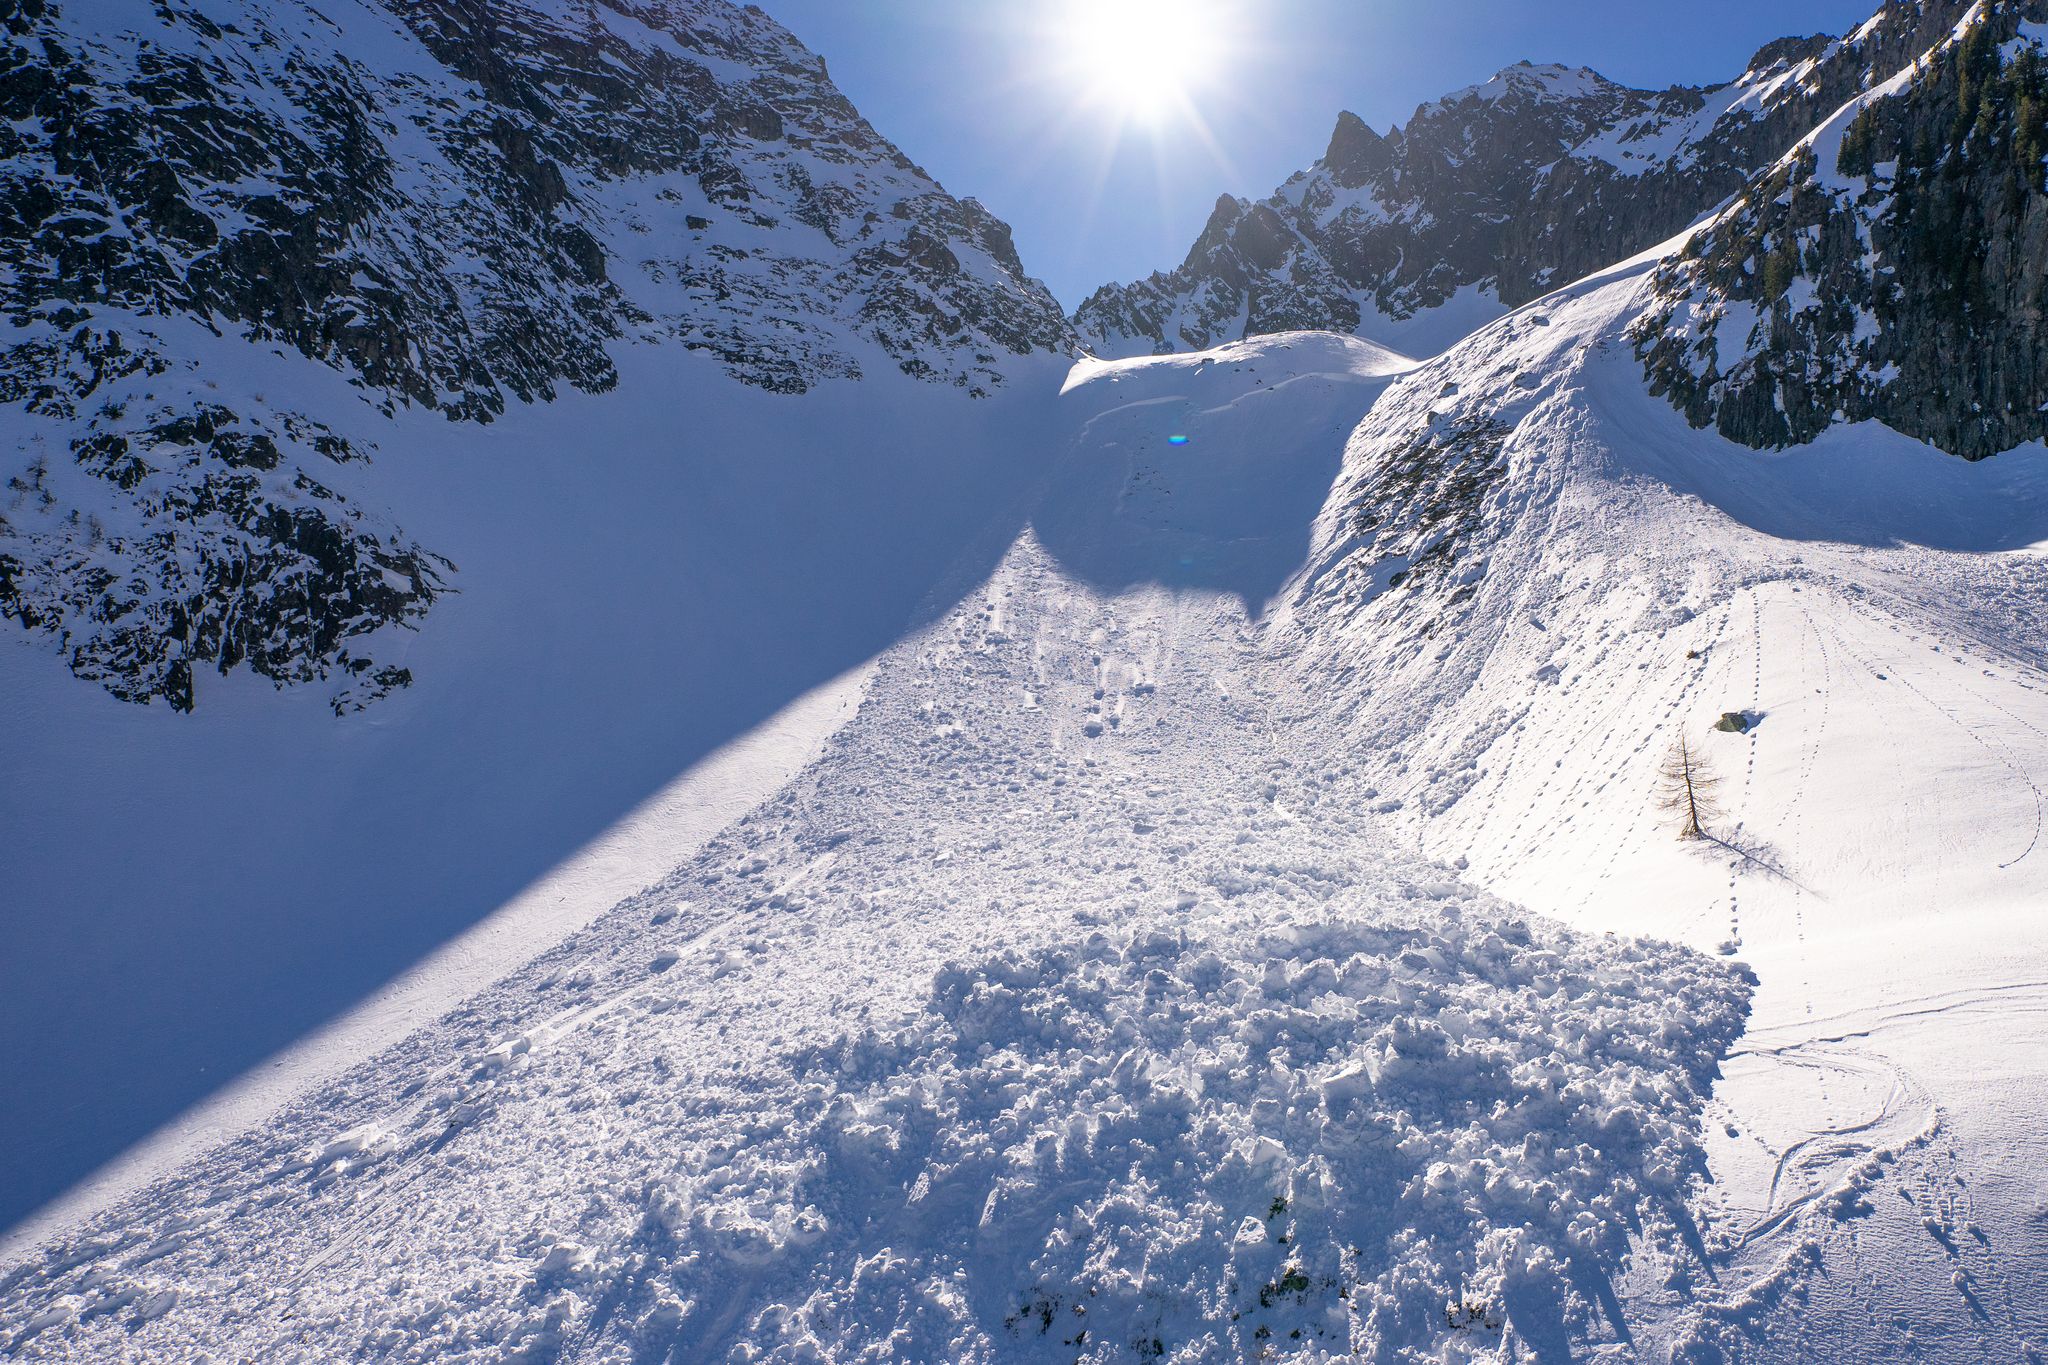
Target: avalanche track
[1055, 1012]
[1088, 999]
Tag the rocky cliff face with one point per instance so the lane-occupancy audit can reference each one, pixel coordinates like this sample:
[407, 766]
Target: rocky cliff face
[1894, 267]
[456, 204]
[1492, 196]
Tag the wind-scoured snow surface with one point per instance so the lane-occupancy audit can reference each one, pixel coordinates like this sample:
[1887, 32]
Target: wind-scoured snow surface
[1056, 1012]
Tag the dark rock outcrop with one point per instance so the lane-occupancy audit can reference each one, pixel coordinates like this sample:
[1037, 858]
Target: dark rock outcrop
[1493, 196]
[1893, 269]
[456, 205]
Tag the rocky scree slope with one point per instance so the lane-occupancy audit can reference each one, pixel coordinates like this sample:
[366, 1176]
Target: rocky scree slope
[1492, 196]
[1893, 267]
[455, 205]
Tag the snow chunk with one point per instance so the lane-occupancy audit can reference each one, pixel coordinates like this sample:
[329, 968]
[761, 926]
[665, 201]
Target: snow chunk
[1321, 1136]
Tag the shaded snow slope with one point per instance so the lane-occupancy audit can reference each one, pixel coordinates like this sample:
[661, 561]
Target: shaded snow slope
[1059, 1011]
[646, 575]
[383, 345]
[457, 205]
[684, 815]
[1585, 579]
[1207, 471]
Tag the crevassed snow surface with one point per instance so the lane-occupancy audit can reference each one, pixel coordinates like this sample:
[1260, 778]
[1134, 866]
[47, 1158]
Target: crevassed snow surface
[1086, 999]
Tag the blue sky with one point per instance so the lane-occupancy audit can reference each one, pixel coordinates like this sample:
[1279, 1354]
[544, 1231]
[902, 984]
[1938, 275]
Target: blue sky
[983, 94]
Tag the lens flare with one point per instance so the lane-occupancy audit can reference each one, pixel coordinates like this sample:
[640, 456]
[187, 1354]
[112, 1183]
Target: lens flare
[1145, 59]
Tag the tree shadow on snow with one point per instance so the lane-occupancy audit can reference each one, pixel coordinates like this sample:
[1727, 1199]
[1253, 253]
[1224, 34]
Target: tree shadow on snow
[1753, 854]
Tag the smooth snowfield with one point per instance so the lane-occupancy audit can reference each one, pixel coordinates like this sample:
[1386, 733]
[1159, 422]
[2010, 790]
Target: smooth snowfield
[683, 816]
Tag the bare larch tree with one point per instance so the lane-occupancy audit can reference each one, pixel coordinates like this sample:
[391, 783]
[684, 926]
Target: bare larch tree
[1686, 787]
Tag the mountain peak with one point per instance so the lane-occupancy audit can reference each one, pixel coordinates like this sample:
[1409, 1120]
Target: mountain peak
[1356, 153]
[572, 181]
[1790, 51]
[1528, 80]
[1499, 192]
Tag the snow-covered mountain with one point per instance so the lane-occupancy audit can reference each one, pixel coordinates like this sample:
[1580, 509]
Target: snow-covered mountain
[1492, 196]
[1080, 1002]
[456, 345]
[1062, 1009]
[1891, 267]
[455, 207]
[1165, 860]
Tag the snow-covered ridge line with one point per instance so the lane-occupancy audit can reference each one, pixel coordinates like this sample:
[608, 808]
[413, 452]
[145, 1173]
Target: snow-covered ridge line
[453, 207]
[1886, 269]
[1532, 579]
[1492, 197]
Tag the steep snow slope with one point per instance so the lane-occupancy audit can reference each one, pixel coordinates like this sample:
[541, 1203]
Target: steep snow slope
[1060, 1011]
[646, 574]
[1582, 580]
[456, 204]
[448, 344]
[1208, 474]
[1079, 1002]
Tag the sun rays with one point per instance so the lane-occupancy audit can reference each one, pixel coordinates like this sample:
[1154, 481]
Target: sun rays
[1120, 78]
[1148, 61]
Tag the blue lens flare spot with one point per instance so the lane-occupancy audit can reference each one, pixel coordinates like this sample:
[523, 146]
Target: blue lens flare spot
[1176, 440]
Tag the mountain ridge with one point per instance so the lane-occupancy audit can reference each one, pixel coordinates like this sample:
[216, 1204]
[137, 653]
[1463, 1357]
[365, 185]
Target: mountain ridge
[1889, 267]
[1492, 195]
[456, 205]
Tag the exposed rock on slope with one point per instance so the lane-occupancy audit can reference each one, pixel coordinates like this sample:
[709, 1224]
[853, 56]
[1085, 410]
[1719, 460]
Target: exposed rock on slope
[1893, 267]
[454, 203]
[1491, 196]
[461, 203]
[188, 535]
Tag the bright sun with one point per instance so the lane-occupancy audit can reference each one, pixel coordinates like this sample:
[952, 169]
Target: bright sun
[1144, 58]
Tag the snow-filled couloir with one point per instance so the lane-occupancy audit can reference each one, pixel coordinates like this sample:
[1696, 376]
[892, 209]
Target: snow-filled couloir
[1082, 996]
[1166, 858]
